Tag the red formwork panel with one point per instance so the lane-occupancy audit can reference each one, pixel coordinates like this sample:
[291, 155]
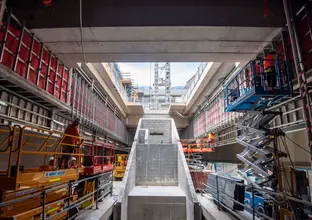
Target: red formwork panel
[215, 114]
[100, 113]
[305, 41]
[202, 124]
[200, 179]
[120, 128]
[195, 127]
[84, 101]
[111, 120]
[25, 55]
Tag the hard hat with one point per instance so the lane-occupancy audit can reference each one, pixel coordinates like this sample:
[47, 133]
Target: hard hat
[51, 158]
[73, 158]
[272, 51]
[77, 121]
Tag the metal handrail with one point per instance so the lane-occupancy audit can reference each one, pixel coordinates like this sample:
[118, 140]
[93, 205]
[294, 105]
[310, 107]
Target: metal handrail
[20, 149]
[67, 201]
[216, 191]
[238, 81]
[193, 83]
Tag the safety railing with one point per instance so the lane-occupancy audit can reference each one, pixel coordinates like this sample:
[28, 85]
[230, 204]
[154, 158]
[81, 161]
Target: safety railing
[262, 82]
[24, 54]
[24, 161]
[61, 201]
[29, 65]
[116, 79]
[192, 83]
[5, 138]
[259, 203]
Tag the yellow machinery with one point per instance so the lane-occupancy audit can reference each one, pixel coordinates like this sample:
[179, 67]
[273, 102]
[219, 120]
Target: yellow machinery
[121, 161]
[25, 171]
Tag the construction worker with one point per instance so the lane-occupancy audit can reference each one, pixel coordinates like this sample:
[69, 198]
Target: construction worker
[198, 143]
[73, 163]
[72, 129]
[52, 164]
[258, 73]
[211, 138]
[269, 68]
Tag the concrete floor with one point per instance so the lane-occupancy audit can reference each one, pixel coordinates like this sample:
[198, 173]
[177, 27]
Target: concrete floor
[211, 212]
[105, 208]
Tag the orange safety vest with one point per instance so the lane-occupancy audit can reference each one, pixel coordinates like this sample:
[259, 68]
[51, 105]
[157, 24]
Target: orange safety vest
[74, 131]
[211, 137]
[269, 60]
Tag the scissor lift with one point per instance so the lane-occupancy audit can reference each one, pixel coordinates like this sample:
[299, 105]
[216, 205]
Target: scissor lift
[98, 157]
[248, 92]
[29, 149]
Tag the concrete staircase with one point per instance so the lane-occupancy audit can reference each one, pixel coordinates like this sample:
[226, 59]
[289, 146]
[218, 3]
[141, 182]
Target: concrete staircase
[158, 185]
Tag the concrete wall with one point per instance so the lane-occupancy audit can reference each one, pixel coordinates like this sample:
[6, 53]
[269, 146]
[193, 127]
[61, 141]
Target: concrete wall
[157, 208]
[193, 210]
[132, 119]
[156, 165]
[158, 126]
[121, 206]
[120, 210]
[229, 157]
[298, 156]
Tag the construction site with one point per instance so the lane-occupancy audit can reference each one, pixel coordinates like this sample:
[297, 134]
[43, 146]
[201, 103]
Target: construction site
[81, 138]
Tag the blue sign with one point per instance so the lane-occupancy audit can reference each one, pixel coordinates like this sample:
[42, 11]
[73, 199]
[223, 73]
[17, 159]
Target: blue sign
[55, 173]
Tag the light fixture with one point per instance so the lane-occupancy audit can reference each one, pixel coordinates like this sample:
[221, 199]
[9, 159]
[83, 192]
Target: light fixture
[86, 133]
[3, 103]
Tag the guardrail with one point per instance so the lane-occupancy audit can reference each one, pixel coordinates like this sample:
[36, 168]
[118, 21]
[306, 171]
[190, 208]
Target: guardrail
[65, 206]
[116, 79]
[280, 201]
[192, 83]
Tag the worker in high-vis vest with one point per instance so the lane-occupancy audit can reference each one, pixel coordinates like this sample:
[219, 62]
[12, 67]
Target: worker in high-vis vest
[211, 138]
[269, 68]
[69, 142]
[258, 73]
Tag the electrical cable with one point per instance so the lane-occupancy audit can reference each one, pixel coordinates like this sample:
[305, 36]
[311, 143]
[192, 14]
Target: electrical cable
[292, 164]
[283, 191]
[282, 162]
[81, 31]
[298, 145]
[288, 153]
[236, 168]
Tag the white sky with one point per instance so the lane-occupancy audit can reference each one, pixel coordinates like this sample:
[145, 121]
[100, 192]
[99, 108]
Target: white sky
[143, 73]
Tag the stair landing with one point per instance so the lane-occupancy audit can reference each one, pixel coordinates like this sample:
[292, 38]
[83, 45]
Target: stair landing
[156, 203]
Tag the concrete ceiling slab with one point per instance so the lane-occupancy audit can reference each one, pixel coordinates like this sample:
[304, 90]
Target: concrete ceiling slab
[208, 85]
[106, 44]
